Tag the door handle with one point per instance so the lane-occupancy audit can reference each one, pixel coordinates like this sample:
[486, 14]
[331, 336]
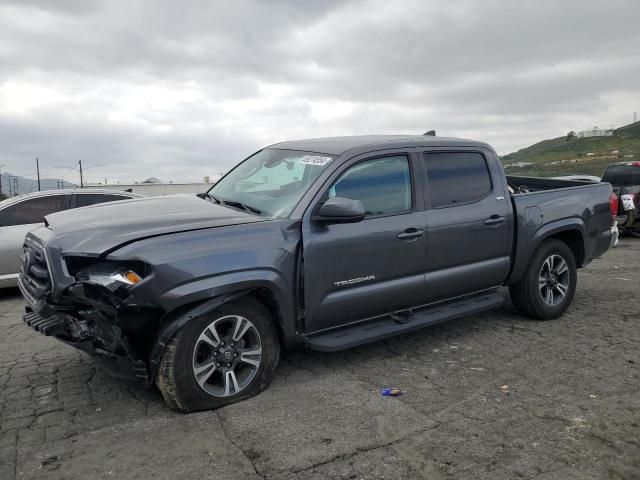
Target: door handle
[410, 234]
[494, 220]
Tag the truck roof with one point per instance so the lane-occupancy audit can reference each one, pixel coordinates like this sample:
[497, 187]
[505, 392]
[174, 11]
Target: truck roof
[340, 145]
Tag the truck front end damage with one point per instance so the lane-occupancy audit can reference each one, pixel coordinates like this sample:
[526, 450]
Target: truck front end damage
[93, 307]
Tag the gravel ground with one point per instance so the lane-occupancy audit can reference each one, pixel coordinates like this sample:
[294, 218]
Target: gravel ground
[493, 396]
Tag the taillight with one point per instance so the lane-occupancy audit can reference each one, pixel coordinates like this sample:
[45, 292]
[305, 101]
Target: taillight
[614, 204]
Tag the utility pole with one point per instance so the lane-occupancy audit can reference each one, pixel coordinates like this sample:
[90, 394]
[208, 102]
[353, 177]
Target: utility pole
[15, 186]
[635, 117]
[1, 178]
[81, 179]
[38, 170]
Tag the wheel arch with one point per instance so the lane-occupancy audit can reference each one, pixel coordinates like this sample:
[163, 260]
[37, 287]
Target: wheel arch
[570, 231]
[267, 295]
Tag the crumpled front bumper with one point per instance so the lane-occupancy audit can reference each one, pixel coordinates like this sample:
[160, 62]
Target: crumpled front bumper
[92, 329]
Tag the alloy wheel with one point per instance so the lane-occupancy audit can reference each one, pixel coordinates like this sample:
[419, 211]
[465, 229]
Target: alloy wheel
[227, 356]
[553, 280]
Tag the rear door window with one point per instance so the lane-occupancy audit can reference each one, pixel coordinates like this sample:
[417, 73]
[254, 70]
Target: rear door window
[33, 210]
[86, 199]
[455, 178]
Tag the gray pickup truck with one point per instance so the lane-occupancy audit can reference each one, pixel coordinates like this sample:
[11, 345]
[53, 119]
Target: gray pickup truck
[324, 243]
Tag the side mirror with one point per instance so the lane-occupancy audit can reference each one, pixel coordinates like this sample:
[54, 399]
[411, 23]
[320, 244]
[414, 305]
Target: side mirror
[340, 210]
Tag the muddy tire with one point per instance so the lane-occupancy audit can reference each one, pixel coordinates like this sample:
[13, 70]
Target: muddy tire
[225, 356]
[549, 282]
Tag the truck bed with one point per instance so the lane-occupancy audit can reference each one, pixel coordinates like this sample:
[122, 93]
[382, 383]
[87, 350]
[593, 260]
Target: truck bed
[537, 184]
[541, 205]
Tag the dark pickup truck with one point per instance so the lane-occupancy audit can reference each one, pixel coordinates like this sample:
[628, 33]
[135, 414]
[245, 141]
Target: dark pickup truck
[624, 177]
[325, 243]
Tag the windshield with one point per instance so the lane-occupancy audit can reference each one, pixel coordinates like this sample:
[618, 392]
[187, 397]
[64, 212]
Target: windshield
[271, 182]
[622, 175]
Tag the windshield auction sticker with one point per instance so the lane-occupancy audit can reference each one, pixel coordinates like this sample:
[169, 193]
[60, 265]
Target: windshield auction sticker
[314, 160]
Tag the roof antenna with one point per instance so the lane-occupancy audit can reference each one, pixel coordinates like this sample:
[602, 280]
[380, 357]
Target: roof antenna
[430, 133]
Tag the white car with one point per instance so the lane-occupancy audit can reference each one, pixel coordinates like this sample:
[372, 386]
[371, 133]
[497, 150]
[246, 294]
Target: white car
[19, 215]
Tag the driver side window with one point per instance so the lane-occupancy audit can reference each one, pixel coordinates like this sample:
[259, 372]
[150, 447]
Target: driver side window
[383, 185]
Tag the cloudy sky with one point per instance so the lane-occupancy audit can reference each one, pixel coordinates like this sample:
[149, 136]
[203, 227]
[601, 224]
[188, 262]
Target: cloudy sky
[187, 88]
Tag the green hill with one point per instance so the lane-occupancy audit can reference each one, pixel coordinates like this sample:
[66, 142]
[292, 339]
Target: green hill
[568, 156]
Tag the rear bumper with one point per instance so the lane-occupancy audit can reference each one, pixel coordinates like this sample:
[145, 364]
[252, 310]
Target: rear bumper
[615, 235]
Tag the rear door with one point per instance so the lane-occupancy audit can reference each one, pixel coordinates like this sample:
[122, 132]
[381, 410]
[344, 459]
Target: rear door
[469, 221]
[359, 270]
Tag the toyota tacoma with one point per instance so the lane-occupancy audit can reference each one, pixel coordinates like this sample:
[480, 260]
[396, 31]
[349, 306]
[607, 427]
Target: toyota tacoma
[323, 243]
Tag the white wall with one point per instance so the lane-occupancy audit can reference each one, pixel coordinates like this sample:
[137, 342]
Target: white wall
[157, 189]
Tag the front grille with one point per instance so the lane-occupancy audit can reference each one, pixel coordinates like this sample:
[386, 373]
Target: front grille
[34, 274]
[53, 325]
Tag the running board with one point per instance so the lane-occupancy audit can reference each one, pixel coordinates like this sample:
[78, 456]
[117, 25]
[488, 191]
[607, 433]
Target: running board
[370, 331]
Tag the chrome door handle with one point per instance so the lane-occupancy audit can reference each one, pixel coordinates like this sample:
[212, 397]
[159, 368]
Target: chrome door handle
[494, 220]
[410, 234]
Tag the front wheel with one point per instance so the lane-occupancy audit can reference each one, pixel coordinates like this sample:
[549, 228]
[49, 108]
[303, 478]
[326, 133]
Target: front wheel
[223, 357]
[549, 282]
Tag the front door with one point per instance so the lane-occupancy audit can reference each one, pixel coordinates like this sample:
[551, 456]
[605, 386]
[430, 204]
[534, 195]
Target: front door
[376, 266]
[469, 237]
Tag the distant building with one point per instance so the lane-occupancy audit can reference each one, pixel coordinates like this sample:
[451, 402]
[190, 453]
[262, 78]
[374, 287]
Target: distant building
[596, 132]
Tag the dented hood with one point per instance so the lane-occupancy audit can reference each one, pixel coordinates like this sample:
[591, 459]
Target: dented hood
[99, 228]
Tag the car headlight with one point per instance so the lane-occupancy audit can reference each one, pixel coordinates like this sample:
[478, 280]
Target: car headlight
[105, 279]
[112, 275]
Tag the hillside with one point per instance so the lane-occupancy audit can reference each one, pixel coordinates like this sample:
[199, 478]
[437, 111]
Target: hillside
[27, 185]
[562, 156]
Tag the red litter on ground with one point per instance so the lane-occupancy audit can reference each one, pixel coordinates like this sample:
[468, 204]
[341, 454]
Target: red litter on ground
[391, 392]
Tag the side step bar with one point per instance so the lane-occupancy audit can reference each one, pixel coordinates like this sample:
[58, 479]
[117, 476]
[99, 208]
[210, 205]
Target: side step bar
[361, 333]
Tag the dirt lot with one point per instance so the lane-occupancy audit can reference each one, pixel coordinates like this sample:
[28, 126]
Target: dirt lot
[493, 396]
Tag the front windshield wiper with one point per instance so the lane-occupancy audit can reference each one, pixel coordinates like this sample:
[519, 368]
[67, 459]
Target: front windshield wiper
[242, 206]
[214, 198]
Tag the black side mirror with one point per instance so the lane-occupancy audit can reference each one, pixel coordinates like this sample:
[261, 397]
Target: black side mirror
[340, 210]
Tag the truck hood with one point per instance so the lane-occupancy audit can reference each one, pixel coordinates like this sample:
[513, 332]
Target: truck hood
[99, 228]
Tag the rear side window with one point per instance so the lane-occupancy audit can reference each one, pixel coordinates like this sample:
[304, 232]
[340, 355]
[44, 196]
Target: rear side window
[622, 175]
[86, 199]
[383, 185]
[456, 177]
[32, 210]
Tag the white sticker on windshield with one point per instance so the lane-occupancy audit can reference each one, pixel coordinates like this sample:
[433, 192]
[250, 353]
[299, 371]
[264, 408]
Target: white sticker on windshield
[314, 160]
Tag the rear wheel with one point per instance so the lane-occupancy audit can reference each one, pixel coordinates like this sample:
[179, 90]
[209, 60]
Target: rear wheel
[223, 357]
[549, 282]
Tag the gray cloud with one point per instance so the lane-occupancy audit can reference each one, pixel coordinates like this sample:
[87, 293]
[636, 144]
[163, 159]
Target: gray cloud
[183, 89]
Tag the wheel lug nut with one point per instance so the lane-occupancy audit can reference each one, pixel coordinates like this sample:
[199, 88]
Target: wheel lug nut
[232, 344]
[217, 364]
[235, 354]
[215, 353]
[228, 365]
[222, 343]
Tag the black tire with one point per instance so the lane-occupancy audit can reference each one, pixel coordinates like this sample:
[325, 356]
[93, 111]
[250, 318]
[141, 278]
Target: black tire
[634, 231]
[176, 377]
[529, 297]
